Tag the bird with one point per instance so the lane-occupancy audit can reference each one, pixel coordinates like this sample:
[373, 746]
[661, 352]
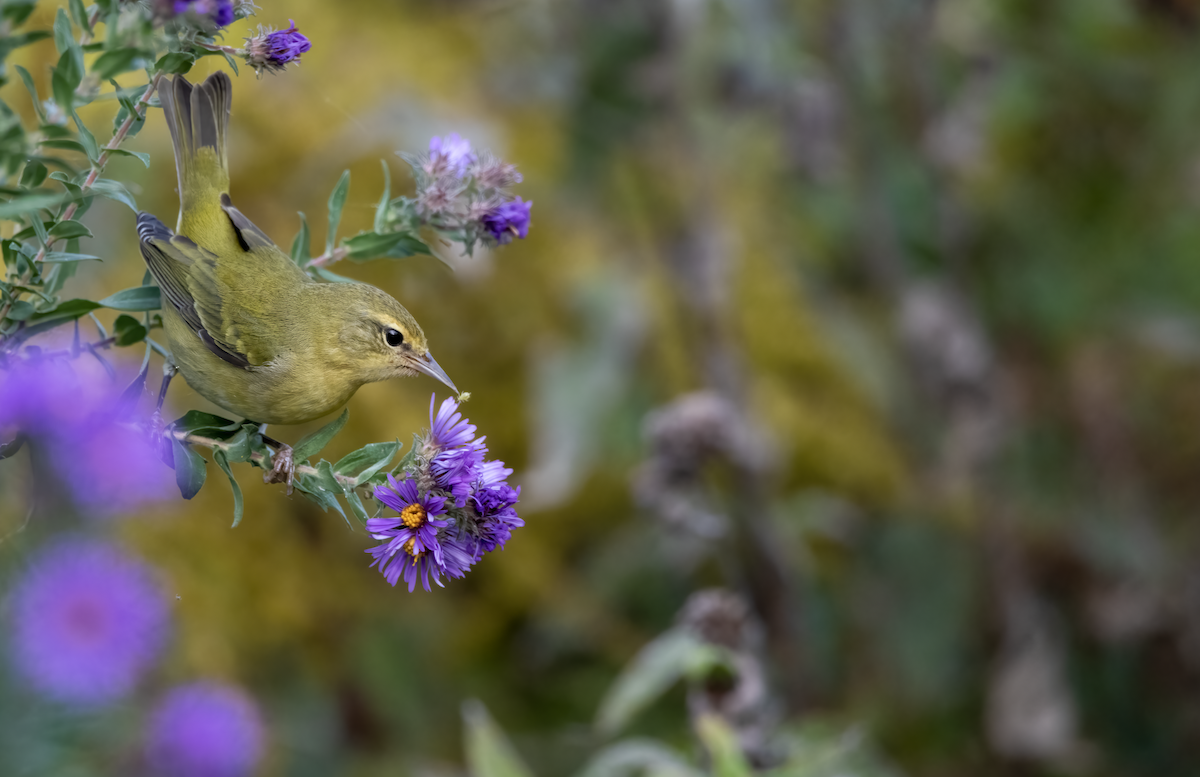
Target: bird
[248, 329]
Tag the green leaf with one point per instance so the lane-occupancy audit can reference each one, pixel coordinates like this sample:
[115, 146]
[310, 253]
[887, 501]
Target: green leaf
[337, 201]
[382, 209]
[489, 753]
[332, 277]
[128, 330]
[114, 190]
[175, 62]
[64, 36]
[310, 486]
[33, 175]
[658, 666]
[189, 469]
[46, 320]
[223, 463]
[643, 757]
[409, 458]
[33, 94]
[356, 505]
[721, 741]
[67, 144]
[301, 244]
[117, 61]
[21, 310]
[366, 461]
[86, 138]
[368, 245]
[313, 443]
[238, 447]
[142, 156]
[206, 424]
[65, 256]
[78, 15]
[29, 203]
[65, 230]
[134, 299]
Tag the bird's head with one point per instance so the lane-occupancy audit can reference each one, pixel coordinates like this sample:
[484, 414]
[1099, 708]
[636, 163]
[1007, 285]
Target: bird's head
[378, 338]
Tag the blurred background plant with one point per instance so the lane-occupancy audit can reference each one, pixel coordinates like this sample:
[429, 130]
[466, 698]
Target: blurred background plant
[847, 371]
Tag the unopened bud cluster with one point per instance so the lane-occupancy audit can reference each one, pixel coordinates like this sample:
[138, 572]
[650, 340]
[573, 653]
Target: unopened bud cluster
[464, 194]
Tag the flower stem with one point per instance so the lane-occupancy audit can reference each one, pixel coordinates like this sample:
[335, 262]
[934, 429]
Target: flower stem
[257, 458]
[329, 257]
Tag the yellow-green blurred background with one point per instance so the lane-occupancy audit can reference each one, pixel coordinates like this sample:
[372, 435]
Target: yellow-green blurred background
[944, 258]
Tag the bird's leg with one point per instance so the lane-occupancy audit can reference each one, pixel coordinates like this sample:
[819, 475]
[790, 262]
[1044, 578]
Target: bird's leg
[283, 466]
[156, 422]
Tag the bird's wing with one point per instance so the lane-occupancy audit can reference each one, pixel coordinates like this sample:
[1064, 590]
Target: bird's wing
[187, 275]
[248, 234]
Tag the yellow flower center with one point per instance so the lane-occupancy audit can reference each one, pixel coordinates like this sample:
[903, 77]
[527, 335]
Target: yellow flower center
[410, 549]
[413, 516]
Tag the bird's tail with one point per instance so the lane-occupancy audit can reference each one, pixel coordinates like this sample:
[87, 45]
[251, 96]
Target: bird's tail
[198, 117]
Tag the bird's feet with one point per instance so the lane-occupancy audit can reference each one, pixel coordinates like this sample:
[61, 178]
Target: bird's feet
[283, 467]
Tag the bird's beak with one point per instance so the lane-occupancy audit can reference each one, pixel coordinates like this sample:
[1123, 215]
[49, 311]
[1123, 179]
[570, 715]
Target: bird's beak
[427, 365]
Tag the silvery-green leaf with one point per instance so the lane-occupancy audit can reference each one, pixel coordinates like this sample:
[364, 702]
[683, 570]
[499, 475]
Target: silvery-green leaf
[337, 201]
[223, 463]
[382, 209]
[658, 666]
[313, 443]
[489, 753]
[302, 244]
[136, 298]
[639, 758]
[115, 191]
[721, 741]
[366, 461]
[189, 469]
[65, 230]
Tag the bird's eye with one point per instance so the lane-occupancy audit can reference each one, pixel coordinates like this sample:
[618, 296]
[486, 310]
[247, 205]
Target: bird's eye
[394, 337]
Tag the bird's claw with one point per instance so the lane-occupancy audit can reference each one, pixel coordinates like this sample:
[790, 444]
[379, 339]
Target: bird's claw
[283, 468]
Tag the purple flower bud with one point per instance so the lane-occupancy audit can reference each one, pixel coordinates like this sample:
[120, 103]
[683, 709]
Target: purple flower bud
[272, 49]
[205, 729]
[508, 219]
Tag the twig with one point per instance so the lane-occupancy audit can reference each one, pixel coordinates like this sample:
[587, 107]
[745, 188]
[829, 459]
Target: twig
[257, 458]
[329, 257]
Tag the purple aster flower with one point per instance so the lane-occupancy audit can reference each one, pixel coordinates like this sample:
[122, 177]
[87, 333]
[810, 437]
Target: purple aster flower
[87, 622]
[456, 470]
[508, 219]
[411, 548]
[448, 428]
[494, 501]
[205, 729]
[272, 49]
[450, 154]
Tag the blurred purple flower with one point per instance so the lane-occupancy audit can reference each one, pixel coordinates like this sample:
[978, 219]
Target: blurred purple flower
[272, 49]
[205, 729]
[87, 622]
[218, 12]
[106, 467]
[411, 548]
[450, 154]
[508, 219]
